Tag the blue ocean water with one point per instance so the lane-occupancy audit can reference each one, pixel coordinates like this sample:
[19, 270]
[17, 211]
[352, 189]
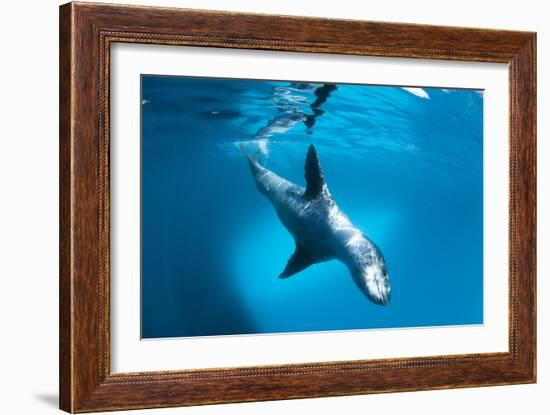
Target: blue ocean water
[404, 164]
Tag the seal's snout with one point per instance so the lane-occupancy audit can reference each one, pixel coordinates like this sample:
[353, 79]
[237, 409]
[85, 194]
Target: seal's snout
[377, 284]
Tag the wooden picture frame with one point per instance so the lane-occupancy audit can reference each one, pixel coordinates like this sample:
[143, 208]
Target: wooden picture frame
[86, 33]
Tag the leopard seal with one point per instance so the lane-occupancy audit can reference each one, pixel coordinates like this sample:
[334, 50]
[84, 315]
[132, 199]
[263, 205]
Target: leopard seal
[321, 231]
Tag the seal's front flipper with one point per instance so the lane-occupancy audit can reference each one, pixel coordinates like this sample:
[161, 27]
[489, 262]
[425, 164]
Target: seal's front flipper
[315, 181]
[299, 261]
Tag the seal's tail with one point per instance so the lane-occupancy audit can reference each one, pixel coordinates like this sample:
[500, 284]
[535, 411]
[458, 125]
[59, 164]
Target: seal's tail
[253, 160]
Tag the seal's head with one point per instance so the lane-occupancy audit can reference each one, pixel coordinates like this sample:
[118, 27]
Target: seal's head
[368, 269]
[376, 283]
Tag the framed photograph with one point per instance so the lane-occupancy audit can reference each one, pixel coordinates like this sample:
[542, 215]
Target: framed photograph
[258, 207]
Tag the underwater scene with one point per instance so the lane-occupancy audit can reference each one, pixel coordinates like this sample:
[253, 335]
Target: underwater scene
[292, 206]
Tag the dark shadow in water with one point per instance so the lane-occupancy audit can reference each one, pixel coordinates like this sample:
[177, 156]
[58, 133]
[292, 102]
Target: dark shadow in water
[221, 114]
[208, 304]
[49, 399]
[217, 298]
[187, 288]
